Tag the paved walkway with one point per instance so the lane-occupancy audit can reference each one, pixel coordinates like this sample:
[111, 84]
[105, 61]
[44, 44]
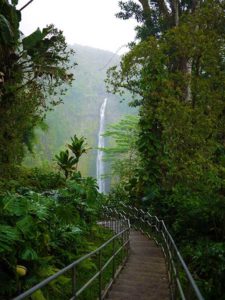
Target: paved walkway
[144, 276]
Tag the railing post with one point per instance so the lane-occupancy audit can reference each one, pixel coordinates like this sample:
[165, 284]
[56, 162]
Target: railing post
[74, 282]
[113, 265]
[188, 292]
[123, 250]
[100, 274]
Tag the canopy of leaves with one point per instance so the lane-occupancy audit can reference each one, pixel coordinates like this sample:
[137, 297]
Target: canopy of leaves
[122, 154]
[181, 142]
[34, 71]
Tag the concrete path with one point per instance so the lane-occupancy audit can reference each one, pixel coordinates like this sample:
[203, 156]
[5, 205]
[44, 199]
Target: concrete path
[144, 276]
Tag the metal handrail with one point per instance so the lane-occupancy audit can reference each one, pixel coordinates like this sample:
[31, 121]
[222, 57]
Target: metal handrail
[121, 227]
[181, 288]
[119, 220]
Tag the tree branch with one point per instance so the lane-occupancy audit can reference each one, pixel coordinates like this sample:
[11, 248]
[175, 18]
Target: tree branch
[163, 8]
[28, 3]
[175, 10]
[146, 7]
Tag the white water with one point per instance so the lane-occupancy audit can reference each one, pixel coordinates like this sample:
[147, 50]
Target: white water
[101, 144]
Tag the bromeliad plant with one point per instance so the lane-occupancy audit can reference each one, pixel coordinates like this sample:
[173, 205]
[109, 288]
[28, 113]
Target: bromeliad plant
[69, 163]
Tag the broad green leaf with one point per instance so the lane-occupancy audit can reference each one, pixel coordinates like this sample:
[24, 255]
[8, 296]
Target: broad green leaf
[38, 295]
[15, 206]
[8, 236]
[15, 2]
[33, 39]
[29, 254]
[26, 225]
[6, 33]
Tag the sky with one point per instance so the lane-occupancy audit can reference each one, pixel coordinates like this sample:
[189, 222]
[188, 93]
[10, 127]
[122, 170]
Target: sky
[85, 22]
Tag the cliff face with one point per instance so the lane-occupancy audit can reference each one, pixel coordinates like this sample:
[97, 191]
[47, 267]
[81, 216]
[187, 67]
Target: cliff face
[79, 114]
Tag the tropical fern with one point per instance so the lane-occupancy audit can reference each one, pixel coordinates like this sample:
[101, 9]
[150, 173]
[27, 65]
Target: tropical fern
[8, 237]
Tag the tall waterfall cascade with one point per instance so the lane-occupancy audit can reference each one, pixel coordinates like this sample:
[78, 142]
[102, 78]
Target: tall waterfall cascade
[101, 143]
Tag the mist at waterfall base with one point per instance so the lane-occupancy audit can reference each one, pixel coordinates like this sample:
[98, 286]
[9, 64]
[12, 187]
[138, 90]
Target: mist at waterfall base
[100, 166]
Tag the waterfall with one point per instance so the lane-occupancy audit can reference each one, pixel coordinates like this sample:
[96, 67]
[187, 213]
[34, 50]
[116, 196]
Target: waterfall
[101, 144]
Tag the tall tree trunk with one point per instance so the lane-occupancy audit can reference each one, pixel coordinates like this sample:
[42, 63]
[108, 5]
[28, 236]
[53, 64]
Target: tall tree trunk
[175, 11]
[188, 97]
[146, 8]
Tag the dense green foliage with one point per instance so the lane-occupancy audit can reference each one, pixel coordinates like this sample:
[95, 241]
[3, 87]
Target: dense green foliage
[33, 71]
[172, 163]
[122, 154]
[176, 74]
[46, 223]
[47, 220]
[44, 231]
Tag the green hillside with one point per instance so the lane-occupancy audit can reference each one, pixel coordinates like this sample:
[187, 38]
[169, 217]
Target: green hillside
[80, 112]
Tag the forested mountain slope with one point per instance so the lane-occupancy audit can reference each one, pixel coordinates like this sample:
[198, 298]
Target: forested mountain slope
[80, 112]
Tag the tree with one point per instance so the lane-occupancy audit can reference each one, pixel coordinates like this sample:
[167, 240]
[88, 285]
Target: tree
[181, 143]
[157, 16]
[150, 71]
[34, 70]
[124, 158]
[147, 71]
[122, 155]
